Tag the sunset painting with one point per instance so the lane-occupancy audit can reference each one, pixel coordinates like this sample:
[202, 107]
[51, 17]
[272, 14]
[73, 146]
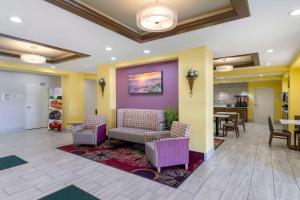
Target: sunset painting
[145, 83]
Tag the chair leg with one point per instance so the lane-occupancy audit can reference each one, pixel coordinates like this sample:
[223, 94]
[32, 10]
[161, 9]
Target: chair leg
[270, 140]
[158, 169]
[295, 138]
[236, 132]
[186, 166]
[109, 140]
[223, 131]
[244, 127]
[288, 141]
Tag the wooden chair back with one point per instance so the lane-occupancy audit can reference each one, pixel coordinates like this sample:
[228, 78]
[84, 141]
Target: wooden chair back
[270, 125]
[297, 127]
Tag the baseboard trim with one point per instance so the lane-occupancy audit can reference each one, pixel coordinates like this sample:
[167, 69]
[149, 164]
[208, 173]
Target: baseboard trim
[209, 154]
[12, 130]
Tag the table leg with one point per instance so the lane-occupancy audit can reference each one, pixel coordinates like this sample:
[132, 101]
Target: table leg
[217, 126]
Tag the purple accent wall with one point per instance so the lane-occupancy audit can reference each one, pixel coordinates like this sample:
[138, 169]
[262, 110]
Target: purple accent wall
[169, 97]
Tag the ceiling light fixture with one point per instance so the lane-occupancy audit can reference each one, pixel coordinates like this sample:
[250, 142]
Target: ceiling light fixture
[270, 51]
[224, 67]
[156, 17]
[113, 58]
[15, 19]
[146, 51]
[33, 58]
[268, 63]
[53, 67]
[295, 12]
[108, 48]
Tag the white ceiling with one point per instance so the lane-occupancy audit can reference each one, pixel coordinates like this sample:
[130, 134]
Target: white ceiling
[269, 26]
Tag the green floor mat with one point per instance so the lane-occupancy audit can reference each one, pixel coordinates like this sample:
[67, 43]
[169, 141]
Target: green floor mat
[70, 193]
[10, 161]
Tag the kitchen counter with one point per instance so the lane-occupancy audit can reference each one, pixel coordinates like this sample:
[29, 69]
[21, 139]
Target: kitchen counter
[243, 111]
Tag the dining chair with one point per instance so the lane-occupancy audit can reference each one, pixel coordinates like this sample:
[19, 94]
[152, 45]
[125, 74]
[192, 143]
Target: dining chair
[297, 132]
[231, 125]
[279, 134]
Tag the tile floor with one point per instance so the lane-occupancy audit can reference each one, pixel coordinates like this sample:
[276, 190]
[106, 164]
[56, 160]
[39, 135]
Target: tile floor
[241, 169]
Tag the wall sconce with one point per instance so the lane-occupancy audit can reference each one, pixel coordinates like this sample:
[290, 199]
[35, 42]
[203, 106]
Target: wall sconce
[102, 84]
[191, 76]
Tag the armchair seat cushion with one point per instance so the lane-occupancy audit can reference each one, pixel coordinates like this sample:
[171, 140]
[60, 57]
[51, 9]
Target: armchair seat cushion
[85, 136]
[135, 135]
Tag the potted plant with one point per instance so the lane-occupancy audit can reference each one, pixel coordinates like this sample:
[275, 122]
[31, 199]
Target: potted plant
[170, 116]
[191, 76]
[102, 84]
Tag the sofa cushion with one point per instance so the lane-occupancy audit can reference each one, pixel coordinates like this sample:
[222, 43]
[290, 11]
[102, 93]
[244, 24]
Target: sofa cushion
[135, 135]
[142, 119]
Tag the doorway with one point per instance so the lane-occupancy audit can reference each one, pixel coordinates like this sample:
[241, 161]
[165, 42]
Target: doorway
[263, 104]
[36, 106]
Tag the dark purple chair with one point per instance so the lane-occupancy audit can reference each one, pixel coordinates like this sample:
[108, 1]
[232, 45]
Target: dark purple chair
[91, 132]
[168, 148]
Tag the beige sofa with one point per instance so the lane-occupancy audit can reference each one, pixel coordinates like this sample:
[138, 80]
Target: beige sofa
[133, 123]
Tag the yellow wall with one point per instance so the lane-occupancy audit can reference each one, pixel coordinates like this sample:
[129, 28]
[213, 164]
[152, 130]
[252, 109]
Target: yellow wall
[196, 111]
[276, 85]
[72, 88]
[294, 93]
[285, 83]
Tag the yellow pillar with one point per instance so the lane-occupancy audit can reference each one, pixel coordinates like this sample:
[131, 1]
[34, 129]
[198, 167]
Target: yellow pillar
[73, 105]
[196, 111]
[294, 94]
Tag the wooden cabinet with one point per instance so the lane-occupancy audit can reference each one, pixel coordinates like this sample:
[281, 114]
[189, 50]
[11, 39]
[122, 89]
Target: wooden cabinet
[242, 110]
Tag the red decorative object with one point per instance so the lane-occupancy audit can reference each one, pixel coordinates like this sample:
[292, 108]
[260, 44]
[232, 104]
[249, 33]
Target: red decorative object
[55, 126]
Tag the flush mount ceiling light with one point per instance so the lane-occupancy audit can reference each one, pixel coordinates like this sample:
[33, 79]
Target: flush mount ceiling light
[268, 63]
[295, 12]
[270, 51]
[108, 48]
[113, 58]
[15, 19]
[146, 51]
[156, 17]
[224, 67]
[33, 58]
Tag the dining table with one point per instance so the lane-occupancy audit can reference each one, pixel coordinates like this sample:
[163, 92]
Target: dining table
[218, 117]
[291, 122]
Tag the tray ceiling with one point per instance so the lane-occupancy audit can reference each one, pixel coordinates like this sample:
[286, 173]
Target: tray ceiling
[238, 61]
[14, 47]
[120, 15]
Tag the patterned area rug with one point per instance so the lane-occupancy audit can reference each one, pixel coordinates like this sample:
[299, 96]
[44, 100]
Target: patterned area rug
[70, 193]
[218, 142]
[131, 158]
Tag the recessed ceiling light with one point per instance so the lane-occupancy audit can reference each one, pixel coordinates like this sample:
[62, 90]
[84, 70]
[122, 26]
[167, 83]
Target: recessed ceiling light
[146, 51]
[295, 12]
[270, 51]
[113, 58]
[268, 63]
[53, 67]
[15, 19]
[261, 75]
[108, 48]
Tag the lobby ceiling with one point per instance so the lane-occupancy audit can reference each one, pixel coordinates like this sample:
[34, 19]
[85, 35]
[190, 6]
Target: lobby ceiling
[269, 27]
[120, 15]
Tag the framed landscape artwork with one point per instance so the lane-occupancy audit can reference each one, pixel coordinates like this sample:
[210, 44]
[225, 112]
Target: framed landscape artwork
[145, 83]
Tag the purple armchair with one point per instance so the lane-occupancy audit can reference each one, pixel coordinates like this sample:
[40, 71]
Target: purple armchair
[91, 132]
[168, 148]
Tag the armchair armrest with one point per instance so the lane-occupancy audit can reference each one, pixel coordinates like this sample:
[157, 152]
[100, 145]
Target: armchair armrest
[156, 135]
[77, 127]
